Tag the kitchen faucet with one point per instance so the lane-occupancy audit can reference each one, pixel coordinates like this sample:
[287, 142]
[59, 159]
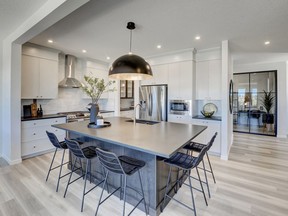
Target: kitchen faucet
[135, 107]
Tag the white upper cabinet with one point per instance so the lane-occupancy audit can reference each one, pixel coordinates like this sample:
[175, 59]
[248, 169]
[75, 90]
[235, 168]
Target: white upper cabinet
[39, 78]
[99, 71]
[160, 75]
[208, 80]
[178, 76]
[180, 80]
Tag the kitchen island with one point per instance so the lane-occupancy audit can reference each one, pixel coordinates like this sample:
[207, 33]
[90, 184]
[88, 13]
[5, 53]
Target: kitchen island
[150, 143]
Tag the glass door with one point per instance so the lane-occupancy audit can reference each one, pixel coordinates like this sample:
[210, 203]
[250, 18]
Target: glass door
[254, 104]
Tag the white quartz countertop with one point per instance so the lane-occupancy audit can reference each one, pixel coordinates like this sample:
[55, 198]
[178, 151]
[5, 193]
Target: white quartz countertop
[163, 139]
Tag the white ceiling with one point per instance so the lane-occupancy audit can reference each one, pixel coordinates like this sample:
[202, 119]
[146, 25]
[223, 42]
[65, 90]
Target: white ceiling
[100, 27]
[14, 12]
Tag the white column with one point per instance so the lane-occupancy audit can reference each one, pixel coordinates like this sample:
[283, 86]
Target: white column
[227, 120]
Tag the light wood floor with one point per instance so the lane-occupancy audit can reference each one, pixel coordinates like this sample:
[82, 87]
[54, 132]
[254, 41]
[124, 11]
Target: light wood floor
[254, 181]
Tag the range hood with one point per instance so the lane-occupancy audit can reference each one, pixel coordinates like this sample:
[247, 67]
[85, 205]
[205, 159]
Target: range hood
[69, 80]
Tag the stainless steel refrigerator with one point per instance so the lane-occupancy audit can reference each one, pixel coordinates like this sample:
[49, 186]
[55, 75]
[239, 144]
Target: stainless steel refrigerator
[153, 101]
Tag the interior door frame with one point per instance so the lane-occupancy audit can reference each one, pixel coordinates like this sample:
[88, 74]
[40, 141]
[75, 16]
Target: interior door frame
[275, 101]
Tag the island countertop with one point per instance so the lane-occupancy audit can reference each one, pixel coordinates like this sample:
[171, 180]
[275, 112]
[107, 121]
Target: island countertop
[162, 139]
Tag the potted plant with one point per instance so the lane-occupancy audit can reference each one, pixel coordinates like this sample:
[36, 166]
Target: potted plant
[94, 87]
[267, 102]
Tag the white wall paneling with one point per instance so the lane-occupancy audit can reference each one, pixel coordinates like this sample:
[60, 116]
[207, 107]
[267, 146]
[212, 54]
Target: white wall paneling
[1, 75]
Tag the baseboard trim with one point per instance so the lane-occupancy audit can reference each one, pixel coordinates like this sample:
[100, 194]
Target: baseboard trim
[11, 162]
[282, 136]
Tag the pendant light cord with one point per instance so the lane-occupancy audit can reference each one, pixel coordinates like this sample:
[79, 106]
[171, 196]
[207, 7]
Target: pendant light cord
[130, 41]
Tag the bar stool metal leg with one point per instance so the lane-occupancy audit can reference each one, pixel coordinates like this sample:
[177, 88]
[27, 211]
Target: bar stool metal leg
[210, 167]
[85, 180]
[200, 181]
[50, 168]
[192, 196]
[145, 206]
[166, 191]
[99, 203]
[125, 184]
[206, 179]
[70, 177]
[59, 177]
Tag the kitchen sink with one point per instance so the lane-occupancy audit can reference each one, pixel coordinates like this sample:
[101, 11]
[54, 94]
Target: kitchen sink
[142, 121]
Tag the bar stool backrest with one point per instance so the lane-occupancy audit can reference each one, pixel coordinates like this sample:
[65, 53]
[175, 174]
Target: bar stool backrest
[53, 139]
[110, 161]
[75, 148]
[200, 156]
[210, 143]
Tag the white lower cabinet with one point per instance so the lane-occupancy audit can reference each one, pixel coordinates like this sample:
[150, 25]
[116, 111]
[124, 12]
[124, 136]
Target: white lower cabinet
[206, 135]
[180, 119]
[34, 140]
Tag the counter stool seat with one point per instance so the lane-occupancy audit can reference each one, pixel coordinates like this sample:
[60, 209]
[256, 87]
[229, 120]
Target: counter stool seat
[124, 166]
[130, 165]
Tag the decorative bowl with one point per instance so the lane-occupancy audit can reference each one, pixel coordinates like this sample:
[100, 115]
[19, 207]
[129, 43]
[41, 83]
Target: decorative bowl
[207, 114]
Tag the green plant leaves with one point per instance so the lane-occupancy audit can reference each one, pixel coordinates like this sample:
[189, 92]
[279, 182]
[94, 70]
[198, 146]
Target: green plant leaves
[268, 100]
[95, 87]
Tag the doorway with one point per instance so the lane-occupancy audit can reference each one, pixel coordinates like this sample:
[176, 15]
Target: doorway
[255, 103]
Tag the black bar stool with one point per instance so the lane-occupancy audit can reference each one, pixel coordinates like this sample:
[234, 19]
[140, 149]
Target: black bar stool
[197, 147]
[58, 146]
[124, 166]
[186, 163]
[87, 153]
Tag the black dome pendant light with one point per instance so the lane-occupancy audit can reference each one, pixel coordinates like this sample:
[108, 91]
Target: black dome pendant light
[130, 66]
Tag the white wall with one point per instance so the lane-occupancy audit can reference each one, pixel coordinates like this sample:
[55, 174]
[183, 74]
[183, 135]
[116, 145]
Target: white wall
[1, 74]
[48, 14]
[282, 91]
[227, 120]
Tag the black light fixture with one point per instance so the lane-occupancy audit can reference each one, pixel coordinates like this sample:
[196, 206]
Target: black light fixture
[130, 66]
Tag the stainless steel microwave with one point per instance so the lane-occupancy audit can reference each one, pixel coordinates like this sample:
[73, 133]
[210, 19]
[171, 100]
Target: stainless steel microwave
[180, 107]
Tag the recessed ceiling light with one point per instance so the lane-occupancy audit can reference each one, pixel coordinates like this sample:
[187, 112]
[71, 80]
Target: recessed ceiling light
[50, 41]
[197, 38]
[159, 46]
[108, 58]
[267, 42]
[84, 51]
